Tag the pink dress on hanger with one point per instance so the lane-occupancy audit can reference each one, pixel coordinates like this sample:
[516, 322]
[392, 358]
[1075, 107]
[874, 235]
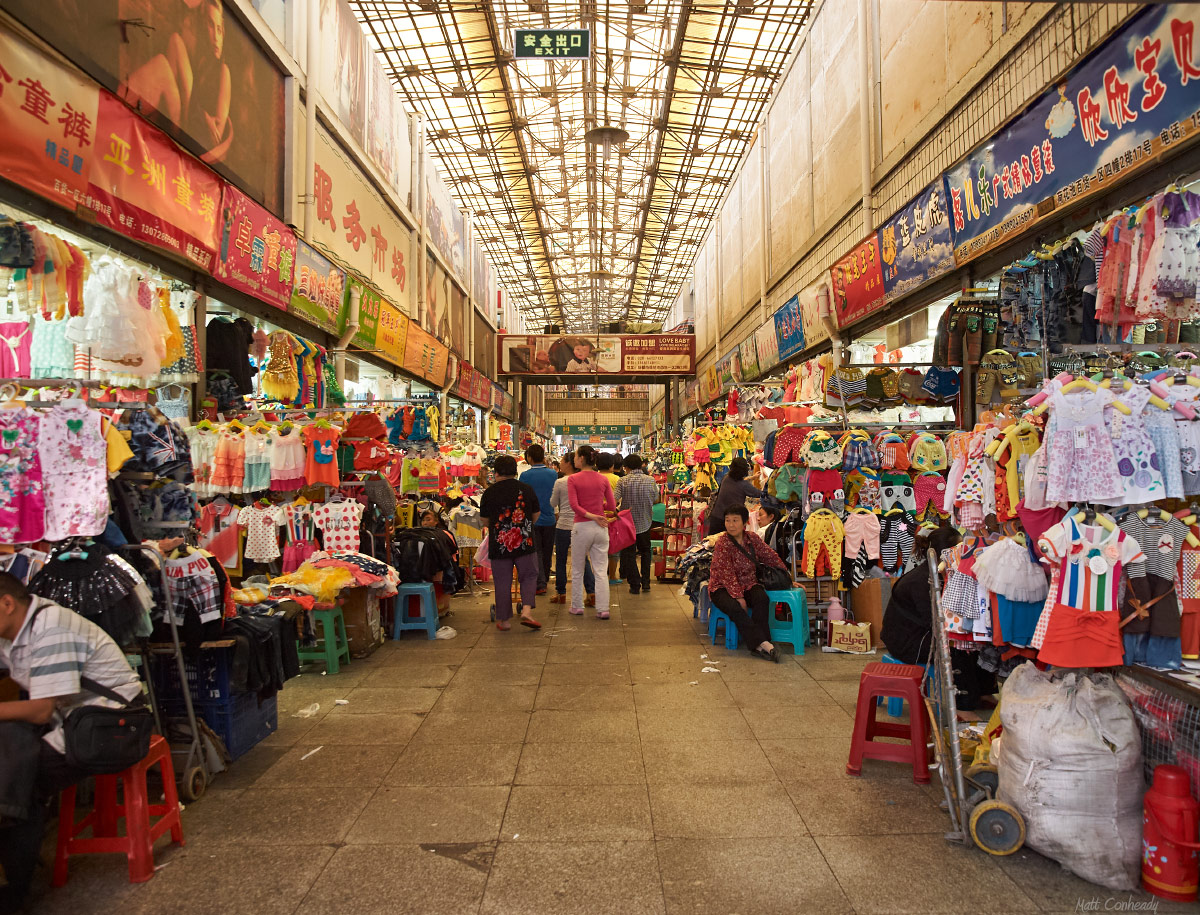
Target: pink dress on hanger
[75, 471]
[22, 504]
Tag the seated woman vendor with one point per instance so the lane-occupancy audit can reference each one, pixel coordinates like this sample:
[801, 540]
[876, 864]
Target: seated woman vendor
[907, 631]
[733, 581]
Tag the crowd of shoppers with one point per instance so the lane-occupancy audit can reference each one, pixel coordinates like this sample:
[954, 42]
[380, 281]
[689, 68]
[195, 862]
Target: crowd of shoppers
[537, 521]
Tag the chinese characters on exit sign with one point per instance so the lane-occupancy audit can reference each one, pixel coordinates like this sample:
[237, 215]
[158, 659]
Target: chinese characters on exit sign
[575, 43]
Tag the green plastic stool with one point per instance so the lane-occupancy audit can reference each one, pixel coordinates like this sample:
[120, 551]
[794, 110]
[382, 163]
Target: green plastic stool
[333, 644]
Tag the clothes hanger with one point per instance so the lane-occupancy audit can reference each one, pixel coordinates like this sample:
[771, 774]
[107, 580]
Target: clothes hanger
[8, 394]
[1089, 515]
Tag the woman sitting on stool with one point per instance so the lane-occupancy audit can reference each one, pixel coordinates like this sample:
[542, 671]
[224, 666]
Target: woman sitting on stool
[733, 584]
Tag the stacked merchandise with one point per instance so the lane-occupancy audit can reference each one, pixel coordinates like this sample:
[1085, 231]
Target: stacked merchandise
[856, 497]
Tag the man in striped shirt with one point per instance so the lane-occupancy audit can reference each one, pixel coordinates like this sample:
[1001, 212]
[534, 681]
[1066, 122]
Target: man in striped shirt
[637, 492]
[47, 650]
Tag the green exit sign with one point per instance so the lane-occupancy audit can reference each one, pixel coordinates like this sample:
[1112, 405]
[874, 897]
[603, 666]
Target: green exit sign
[552, 43]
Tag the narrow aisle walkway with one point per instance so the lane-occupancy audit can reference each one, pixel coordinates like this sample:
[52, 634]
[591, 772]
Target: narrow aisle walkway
[588, 768]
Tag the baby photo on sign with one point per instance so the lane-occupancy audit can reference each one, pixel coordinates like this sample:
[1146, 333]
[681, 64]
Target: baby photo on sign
[569, 355]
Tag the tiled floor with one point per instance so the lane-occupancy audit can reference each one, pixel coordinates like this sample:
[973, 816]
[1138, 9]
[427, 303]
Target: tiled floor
[590, 767]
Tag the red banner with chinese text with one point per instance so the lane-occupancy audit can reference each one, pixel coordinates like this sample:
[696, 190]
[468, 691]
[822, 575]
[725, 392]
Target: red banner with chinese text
[48, 121]
[147, 189]
[481, 390]
[857, 283]
[258, 252]
[465, 373]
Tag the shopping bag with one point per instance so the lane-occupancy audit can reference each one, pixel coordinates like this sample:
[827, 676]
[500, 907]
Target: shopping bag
[481, 553]
[621, 532]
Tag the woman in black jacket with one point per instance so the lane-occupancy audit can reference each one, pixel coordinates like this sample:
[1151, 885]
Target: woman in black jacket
[734, 490]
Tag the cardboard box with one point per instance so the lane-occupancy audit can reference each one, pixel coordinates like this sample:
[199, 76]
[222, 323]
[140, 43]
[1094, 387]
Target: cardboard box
[867, 603]
[364, 628]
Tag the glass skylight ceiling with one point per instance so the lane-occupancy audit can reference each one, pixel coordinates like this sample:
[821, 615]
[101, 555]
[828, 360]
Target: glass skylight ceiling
[577, 238]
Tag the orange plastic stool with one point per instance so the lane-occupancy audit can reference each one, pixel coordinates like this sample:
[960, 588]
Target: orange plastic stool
[140, 834]
[900, 680]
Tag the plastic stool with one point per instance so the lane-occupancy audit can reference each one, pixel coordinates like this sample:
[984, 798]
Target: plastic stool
[879, 679]
[895, 705]
[703, 605]
[428, 620]
[333, 641]
[731, 632]
[794, 631]
[136, 809]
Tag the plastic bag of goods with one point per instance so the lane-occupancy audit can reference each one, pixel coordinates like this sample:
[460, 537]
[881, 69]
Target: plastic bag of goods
[1070, 761]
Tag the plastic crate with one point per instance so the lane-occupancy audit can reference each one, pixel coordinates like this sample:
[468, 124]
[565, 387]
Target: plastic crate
[208, 676]
[242, 723]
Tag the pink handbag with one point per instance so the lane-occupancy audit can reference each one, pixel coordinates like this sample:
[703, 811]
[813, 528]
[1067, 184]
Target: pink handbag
[621, 533]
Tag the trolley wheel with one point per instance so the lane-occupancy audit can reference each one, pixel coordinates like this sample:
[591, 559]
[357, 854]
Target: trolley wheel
[194, 782]
[492, 613]
[997, 828]
[986, 776]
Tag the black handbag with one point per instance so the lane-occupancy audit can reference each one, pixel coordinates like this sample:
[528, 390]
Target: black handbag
[771, 578]
[105, 741]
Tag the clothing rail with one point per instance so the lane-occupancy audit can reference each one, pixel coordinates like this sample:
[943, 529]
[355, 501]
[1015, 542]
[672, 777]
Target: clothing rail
[894, 365]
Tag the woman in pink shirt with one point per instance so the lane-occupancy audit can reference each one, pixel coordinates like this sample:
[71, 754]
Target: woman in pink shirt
[591, 496]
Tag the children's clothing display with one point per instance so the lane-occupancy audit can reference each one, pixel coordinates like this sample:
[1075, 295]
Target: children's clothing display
[262, 541]
[339, 524]
[320, 450]
[22, 501]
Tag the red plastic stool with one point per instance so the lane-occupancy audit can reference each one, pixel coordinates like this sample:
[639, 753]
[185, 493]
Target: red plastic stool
[136, 810]
[900, 680]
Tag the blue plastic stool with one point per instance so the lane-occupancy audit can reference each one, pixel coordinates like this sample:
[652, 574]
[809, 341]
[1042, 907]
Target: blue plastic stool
[795, 630]
[895, 706]
[703, 605]
[731, 633]
[428, 620]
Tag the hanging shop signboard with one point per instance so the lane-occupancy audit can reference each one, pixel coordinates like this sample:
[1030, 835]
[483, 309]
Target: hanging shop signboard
[392, 335]
[710, 385]
[749, 356]
[789, 329]
[497, 396]
[1130, 101]
[815, 330]
[729, 368]
[48, 118]
[358, 90]
[915, 245]
[424, 356]
[320, 288]
[634, 355]
[370, 303]
[353, 226]
[569, 43]
[766, 343]
[258, 252]
[463, 389]
[481, 390]
[598, 430]
[443, 222]
[190, 68]
[147, 189]
[856, 283]
[691, 396]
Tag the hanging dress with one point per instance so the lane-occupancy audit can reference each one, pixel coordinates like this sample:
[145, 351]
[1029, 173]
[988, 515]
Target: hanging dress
[74, 471]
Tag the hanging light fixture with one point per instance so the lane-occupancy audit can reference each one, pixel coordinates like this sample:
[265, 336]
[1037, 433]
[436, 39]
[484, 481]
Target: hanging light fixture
[606, 137]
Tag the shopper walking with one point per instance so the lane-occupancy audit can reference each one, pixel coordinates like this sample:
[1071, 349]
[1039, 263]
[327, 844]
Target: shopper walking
[511, 509]
[591, 496]
[637, 493]
[564, 522]
[541, 479]
[734, 490]
[733, 584]
[604, 466]
[48, 650]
